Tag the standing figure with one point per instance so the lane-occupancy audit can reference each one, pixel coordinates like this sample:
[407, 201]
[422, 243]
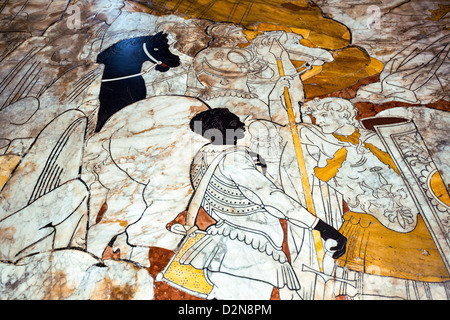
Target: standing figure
[242, 254]
[220, 72]
[353, 160]
[273, 48]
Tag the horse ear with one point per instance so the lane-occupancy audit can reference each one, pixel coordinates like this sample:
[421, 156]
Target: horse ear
[161, 36]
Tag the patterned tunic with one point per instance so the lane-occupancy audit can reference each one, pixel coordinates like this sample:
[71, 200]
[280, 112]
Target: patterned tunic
[247, 239]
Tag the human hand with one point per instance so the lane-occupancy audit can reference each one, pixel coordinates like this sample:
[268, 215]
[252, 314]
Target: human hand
[185, 230]
[328, 232]
[278, 89]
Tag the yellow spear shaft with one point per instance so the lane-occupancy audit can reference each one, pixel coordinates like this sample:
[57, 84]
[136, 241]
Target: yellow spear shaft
[301, 165]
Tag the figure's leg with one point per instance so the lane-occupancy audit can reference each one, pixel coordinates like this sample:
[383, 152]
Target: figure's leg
[376, 287]
[288, 294]
[59, 217]
[72, 230]
[54, 158]
[44, 194]
[229, 287]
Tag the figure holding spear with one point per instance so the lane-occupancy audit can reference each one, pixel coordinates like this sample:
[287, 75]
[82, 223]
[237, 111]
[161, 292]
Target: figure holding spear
[278, 51]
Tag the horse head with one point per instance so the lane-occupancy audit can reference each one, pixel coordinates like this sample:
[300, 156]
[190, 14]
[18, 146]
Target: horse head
[297, 51]
[159, 50]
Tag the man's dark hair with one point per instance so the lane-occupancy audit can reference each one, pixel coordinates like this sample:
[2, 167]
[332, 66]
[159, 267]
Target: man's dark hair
[214, 122]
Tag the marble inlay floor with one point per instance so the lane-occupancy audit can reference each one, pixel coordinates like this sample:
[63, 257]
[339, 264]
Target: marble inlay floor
[226, 149]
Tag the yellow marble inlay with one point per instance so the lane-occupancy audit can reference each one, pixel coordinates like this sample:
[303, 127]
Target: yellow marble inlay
[302, 17]
[373, 248]
[438, 14]
[332, 166]
[351, 64]
[382, 156]
[187, 276]
[7, 164]
[438, 188]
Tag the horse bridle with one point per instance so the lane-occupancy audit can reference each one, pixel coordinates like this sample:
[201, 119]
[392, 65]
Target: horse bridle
[144, 46]
[152, 59]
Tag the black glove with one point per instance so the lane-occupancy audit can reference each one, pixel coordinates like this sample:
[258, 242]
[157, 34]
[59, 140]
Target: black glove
[328, 232]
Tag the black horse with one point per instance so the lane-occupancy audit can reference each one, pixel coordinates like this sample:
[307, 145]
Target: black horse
[125, 59]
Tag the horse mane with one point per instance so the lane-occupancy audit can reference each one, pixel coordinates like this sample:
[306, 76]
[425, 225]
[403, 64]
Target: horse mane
[159, 38]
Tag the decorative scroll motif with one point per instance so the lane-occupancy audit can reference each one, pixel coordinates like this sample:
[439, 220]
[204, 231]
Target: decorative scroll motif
[417, 167]
[420, 163]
